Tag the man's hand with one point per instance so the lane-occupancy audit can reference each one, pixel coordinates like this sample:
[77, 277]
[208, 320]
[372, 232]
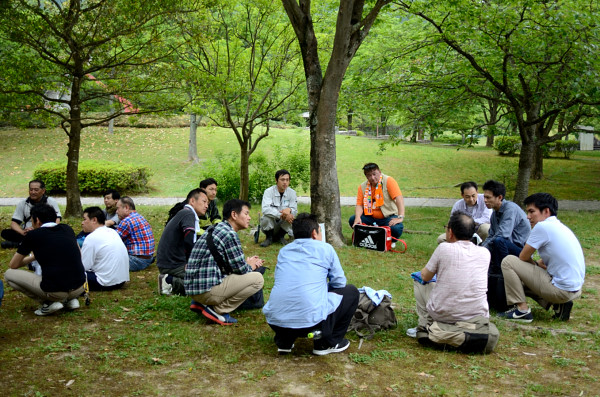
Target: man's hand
[395, 221]
[255, 262]
[541, 264]
[286, 215]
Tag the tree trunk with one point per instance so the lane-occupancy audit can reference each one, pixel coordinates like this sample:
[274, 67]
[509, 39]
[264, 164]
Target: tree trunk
[111, 122]
[193, 147]
[244, 172]
[537, 171]
[525, 166]
[349, 115]
[491, 133]
[74, 208]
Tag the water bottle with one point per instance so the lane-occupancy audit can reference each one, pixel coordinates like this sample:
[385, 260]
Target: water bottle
[316, 334]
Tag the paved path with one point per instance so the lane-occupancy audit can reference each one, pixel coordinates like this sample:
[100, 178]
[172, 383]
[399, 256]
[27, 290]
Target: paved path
[578, 205]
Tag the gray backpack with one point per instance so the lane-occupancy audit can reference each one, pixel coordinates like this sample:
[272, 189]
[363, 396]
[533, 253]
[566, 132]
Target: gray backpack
[369, 318]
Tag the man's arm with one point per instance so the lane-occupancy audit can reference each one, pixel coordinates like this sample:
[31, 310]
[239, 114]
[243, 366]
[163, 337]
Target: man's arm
[18, 261]
[17, 228]
[293, 202]
[507, 223]
[526, 256]
[335, 274]
[357, 214]
[426, 275]
[399, 200]
[482, 213]
[267, 206]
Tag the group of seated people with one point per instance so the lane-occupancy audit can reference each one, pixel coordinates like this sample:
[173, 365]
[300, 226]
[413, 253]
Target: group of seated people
[201, 256]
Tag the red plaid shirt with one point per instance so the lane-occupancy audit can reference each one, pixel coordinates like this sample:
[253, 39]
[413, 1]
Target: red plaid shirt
[136, 233]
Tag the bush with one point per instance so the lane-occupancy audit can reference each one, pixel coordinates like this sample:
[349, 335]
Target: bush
[453, 140]
[507, 144]
[567, 148]
[95, 176]
[262, 169]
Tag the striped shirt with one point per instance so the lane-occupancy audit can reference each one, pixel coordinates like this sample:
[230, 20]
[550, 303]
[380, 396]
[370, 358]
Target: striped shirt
[202, 271]
[136, 233]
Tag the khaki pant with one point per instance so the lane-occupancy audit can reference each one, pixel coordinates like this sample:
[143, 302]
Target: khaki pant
[483, 232]
[422, 292]
[270, 222]
[522, 279]
[29, 284]
[232, 292]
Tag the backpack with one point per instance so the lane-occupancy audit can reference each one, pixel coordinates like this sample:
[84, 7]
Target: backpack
[175, 209]
[372, 318]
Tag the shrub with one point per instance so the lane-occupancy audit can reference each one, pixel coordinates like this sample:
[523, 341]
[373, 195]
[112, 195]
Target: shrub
[95, 176]
[454, 140]
[507, 144]
[567, 148]
[262, 169]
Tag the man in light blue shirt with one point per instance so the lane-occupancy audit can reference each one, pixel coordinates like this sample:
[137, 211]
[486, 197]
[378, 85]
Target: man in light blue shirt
[310, 294]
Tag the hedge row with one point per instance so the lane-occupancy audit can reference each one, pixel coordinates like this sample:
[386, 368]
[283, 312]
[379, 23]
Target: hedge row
[512, 144]
[95, 176]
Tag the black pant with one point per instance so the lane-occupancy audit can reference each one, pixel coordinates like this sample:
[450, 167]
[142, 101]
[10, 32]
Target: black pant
[94, 285]
[333, 328]
[11, 235]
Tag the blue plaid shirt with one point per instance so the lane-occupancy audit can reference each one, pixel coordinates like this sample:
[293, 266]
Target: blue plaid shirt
[202, 271]
[136, 233]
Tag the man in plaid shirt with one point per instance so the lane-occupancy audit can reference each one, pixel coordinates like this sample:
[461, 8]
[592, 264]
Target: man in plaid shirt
[136, 233]
[215, 294]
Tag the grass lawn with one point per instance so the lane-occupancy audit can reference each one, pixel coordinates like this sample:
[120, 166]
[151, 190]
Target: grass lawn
[421, 170]
[135, 342]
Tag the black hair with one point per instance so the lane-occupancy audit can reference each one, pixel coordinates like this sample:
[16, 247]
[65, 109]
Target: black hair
[497, 188]
[281, 173]
[95, 212]
[43, 212]
[304, 224]
[370, 166]
[543, 201]
[195, 193]
[113, 193]
[128, 201]
[462, 225]
[234, 205]
[207, 182]
[467, 185]
[42, 184]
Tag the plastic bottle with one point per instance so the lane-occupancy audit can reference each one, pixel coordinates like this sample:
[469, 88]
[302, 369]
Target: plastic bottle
[316, 334]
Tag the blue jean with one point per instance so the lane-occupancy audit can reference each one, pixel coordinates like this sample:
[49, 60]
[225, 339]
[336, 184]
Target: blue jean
[369, 220]
[500, 248]
[136, 263]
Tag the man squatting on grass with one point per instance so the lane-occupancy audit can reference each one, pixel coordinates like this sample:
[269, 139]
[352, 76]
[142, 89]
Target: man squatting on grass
[557, 278]
[457, 299]
[177, 241]
[55, 248]
[218, 290]
[279, 207]
[103, 253]
[310, 292]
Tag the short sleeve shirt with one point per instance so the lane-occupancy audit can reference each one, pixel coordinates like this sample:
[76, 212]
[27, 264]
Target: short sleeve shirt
[393, 190]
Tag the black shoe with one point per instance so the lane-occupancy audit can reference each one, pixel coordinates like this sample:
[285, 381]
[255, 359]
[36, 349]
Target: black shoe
[9, 244]
[280, 237]
[269, 240]
[562, 311]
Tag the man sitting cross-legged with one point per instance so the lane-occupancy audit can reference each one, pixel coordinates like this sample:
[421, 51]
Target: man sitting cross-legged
[177, 241]
[557, 278]
[56, 250]
[458, 297]
[310, 292]
[103, 253]
[217, 276]
[136, 233]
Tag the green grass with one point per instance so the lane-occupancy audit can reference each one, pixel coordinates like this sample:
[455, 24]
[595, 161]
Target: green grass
[135, 342]
[421, 170]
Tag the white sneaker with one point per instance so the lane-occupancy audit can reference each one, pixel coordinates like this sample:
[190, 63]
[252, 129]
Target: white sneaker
[340, 347]
[48, 308]
[412, 332]
[164, 288]
[72, 304]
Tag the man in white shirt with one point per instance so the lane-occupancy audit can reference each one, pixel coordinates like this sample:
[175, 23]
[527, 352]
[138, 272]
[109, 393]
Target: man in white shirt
[472, 204]
[279, 208]
[554, 280]
[103, 253]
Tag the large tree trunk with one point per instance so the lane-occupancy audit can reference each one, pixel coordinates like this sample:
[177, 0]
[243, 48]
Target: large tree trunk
[491, 133]
[537, 171]
[244, 172]
[193, 147]
[524, 173]
[73, 196]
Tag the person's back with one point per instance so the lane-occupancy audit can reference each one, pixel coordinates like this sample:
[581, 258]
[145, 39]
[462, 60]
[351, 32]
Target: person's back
[104, 250]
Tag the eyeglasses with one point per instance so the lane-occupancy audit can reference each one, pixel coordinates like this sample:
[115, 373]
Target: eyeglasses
[370, 166]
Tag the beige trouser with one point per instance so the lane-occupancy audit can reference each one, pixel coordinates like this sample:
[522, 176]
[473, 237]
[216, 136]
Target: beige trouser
[483, 232]
[232, 292]
[270, 222]
[29, 284]
[422, 293]
[522, 279]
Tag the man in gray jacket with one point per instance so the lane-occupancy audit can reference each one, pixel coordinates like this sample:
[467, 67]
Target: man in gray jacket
[279, 208]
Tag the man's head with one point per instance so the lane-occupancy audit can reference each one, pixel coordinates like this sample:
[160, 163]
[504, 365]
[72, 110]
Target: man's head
[125, 206]
[237, 213]
[372, 173]
[198, 200]
[461, 226]
[42, 213]
[539, 207]
[468, 191]
[93, 218]
[210, 185]
[111, 196]
[283, 180]
[306, 226]
[493, 194]
[37, 189]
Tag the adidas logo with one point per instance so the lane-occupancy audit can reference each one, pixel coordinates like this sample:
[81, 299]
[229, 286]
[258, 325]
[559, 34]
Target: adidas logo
[368, 243]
